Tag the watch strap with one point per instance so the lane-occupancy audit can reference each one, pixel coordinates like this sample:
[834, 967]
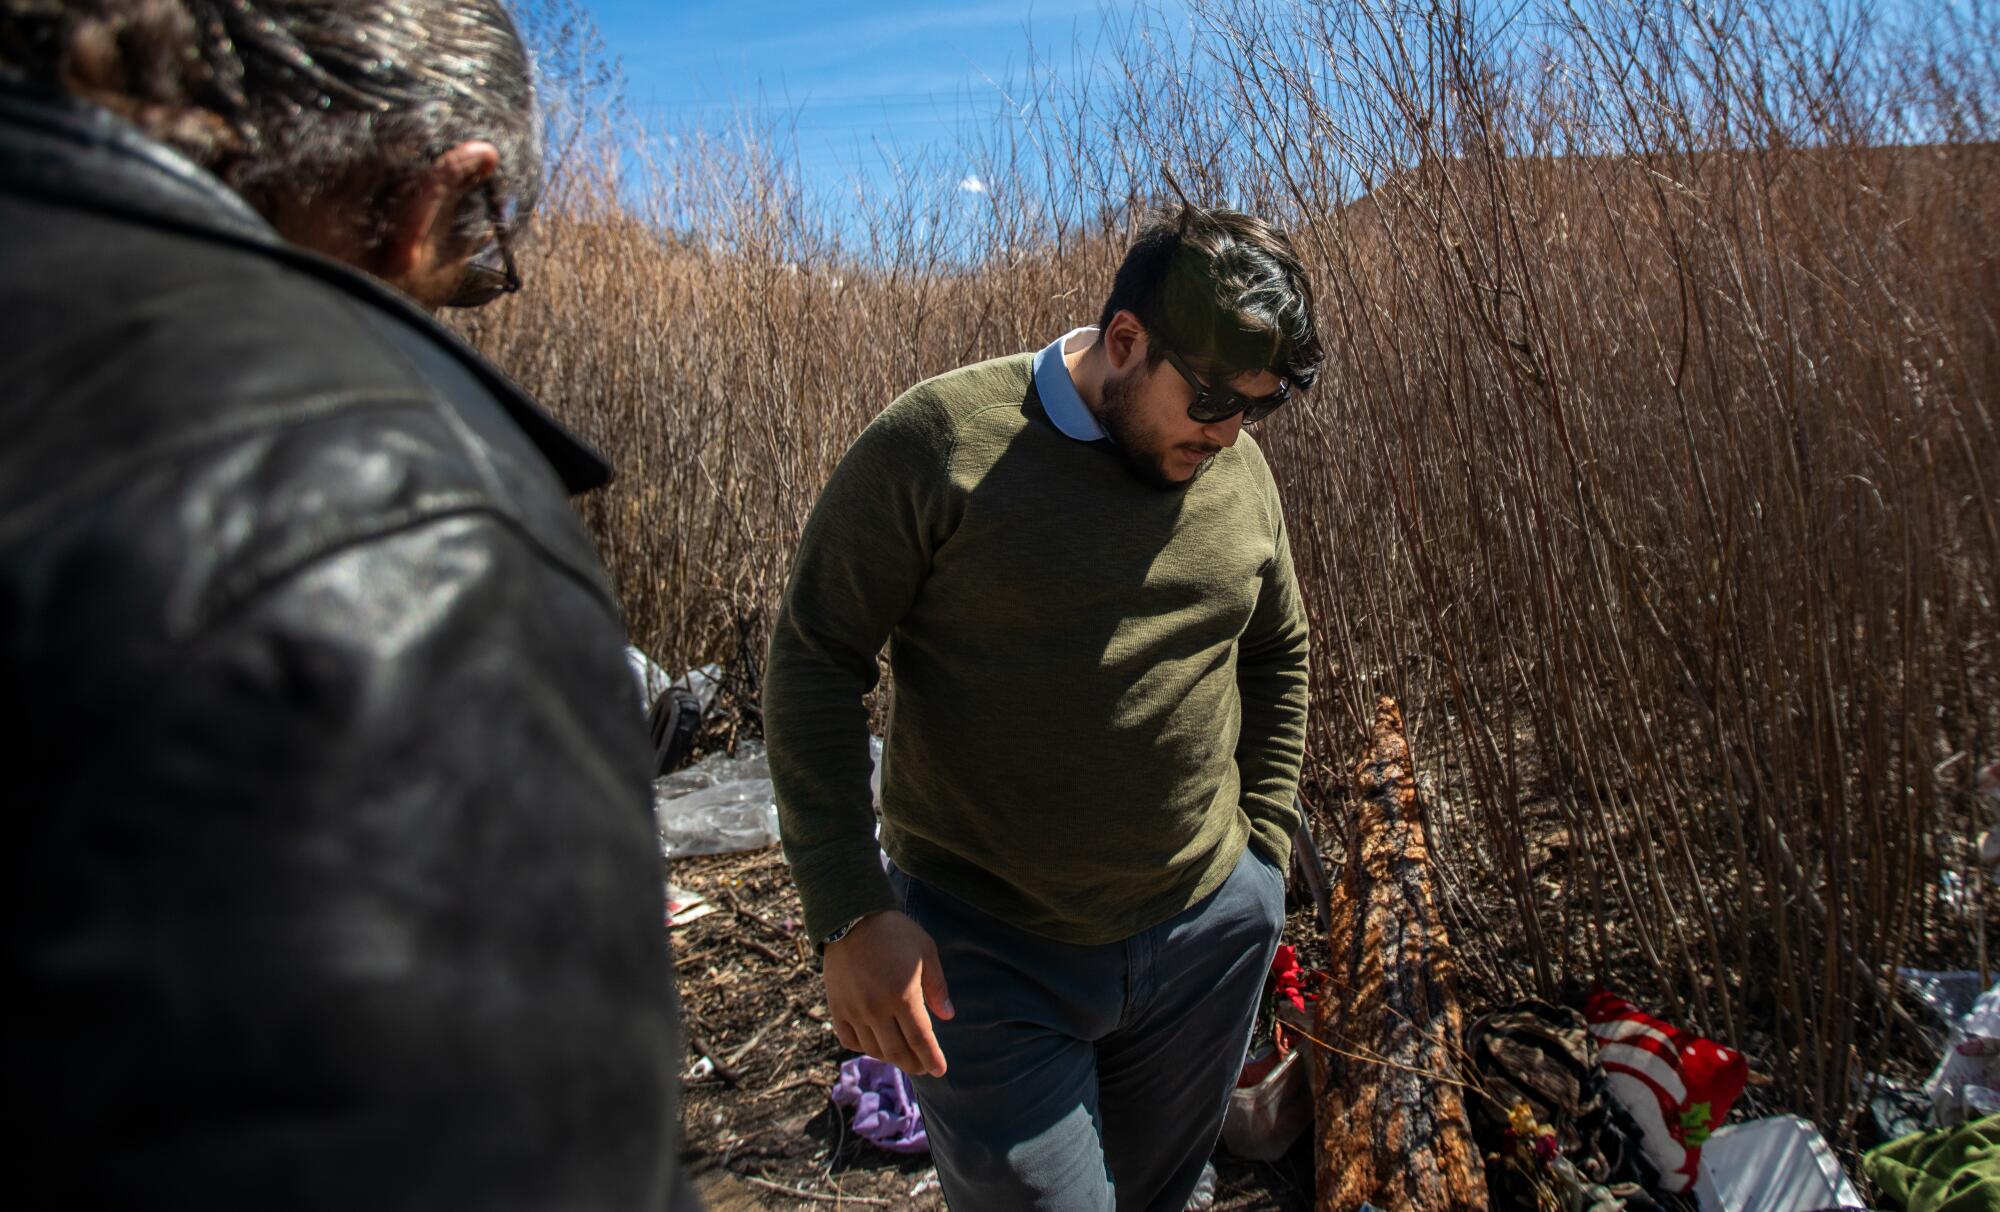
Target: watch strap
[840, 932]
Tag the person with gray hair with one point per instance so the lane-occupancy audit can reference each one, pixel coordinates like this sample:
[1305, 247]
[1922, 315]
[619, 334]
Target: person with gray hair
[332, 880]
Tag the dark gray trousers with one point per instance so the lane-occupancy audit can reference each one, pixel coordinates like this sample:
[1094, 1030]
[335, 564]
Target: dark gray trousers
[1091, 1079]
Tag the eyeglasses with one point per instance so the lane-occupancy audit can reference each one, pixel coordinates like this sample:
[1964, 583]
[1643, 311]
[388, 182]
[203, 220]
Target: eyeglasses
[491, 271]
[1215, 404]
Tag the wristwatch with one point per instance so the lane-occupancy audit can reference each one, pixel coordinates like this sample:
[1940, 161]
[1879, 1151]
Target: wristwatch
[839, 933]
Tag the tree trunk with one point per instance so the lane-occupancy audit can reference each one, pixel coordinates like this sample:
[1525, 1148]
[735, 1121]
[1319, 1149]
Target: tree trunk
[1391, 1126]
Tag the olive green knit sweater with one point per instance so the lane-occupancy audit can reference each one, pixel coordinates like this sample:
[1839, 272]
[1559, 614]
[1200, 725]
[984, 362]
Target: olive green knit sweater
[1100, 685]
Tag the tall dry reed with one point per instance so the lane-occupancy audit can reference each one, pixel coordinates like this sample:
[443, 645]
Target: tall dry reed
[1655, 469]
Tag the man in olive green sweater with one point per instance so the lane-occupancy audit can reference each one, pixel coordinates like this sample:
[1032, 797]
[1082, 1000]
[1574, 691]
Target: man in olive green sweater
[1078, 561]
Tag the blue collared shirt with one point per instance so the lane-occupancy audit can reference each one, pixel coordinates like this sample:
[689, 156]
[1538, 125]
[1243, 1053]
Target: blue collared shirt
[1058, 391]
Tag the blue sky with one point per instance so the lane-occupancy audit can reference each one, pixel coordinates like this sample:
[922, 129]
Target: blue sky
[855, 81]
[885, 90]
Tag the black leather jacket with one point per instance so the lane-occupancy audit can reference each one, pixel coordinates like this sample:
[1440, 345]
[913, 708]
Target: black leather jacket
[330, 875]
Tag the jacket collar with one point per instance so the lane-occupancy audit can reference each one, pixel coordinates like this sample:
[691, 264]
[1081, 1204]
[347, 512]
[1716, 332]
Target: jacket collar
[56, 147]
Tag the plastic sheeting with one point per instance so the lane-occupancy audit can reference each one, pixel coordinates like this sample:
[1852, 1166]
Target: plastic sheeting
[1966, 1083]
[719, 805]
[1781, 1164]
[723, 803]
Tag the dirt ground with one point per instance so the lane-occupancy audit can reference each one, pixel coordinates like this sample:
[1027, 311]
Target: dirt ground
[761, 1131]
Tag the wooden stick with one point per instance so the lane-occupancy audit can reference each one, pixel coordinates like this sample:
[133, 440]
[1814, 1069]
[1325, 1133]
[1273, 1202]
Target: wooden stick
[708, 1051]
[767, 953]
[757, 1036]
[736, 907]
[795, 1193]
[794, 1084]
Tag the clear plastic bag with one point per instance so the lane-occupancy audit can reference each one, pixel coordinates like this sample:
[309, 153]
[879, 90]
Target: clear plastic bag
[1265, 1117]
[719, 805]
[1949, 995]
[1966, 1084]
[723, 803]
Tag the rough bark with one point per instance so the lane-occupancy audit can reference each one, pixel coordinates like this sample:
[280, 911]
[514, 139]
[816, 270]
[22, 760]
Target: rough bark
[1391, 1127]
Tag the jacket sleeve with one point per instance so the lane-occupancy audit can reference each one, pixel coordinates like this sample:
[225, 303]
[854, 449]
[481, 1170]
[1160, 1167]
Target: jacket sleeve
[861, 562]
[1271, 676]
[368, 911]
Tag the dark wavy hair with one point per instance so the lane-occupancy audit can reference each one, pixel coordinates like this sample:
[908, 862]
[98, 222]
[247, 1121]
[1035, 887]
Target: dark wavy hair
[1224, 290]
[296, 98]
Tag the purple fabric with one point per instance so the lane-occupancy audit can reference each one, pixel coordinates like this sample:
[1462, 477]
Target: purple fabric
[885, 1108]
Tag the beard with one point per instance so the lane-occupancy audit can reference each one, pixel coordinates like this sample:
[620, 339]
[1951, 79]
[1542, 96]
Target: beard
[1144, 449]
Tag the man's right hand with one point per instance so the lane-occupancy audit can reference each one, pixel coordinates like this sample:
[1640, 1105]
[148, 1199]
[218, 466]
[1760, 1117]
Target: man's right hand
[883, 984]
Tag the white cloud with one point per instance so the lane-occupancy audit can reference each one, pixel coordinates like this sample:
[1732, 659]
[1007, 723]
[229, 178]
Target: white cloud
[972, 185]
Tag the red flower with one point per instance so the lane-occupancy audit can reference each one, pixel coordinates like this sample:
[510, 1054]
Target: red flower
[1287, 981]
[1287, 978]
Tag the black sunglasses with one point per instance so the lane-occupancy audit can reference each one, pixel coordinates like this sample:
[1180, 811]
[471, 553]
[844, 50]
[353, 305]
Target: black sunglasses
[1214, 404]
[491, 271]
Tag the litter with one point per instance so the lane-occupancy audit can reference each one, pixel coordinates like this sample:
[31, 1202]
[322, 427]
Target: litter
[685, 905]
[1677, 1085]
[674, 720]
[654, 680]
[674, 707]
[1896, 1109]
[1265, 1116]
[1203, 1197]
[884, 1105]
[704, 683]
[1537, 1066]
[1272, 1102]
[1949, 1170]
[1948, 995]
[1966, 1083]
[1780, 1164]
[875, 775]
[651, 677]
[722, 804]
[719, 805]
